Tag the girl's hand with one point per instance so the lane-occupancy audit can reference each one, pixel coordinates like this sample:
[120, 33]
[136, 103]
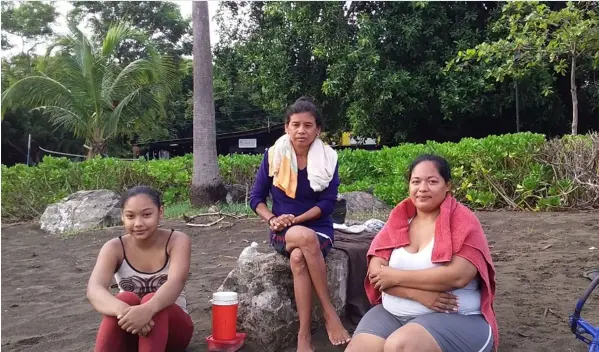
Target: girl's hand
[146, 329]
[135, 318]
[121, 308]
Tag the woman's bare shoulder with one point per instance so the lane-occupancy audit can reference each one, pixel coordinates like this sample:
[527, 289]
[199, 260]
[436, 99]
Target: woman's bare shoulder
[113, 245]
[178, 238]
[112, 250]
[180, 235]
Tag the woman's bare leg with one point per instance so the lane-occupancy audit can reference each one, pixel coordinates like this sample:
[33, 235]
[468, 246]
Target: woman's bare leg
[306, 239]
[302, 287]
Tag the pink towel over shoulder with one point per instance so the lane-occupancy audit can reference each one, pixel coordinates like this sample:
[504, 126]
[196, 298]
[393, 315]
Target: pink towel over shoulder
[457, 232]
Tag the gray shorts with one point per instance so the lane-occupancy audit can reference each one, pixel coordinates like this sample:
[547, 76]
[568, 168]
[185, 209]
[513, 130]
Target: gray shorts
[453, 332]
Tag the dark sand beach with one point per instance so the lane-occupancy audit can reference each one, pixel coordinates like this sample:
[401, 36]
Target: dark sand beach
[539, 257]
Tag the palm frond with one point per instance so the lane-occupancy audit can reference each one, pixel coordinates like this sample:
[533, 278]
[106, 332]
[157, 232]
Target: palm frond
[119, 32]
[144, 72]
[166, 71]
[111, 71]
[83, 88]
[67, 70]
[80, 65]
[81, 39]
[35, 91]
[113, 122]
[139, 104]
[135, 75]
[66, 118]
[60, 42]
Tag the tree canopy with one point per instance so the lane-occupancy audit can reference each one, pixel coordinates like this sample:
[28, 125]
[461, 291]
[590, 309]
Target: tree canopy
[399, 71]
[85, 91]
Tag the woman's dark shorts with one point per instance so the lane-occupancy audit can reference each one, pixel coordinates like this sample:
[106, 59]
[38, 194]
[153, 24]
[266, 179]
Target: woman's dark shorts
[452, 332]
[277, 241]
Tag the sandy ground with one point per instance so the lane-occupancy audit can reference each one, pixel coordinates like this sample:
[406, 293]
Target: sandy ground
[539, 259]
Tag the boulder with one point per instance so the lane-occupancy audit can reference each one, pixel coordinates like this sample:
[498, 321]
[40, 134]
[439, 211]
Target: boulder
[235, 193]
[81, 211]
[363, 203]
[267, 311]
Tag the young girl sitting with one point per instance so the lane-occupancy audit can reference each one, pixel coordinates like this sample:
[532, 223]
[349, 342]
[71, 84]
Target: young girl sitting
[150, 266]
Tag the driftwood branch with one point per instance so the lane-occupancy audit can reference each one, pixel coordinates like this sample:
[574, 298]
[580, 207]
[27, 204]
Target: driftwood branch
[234, 216]
[501, 193]
[206, 225]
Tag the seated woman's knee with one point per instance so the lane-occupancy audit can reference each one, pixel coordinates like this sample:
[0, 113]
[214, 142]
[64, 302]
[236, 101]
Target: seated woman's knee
[400, 343]
[304, 236]
[297, 260]
[365, 342]
[128, 297]
[355, 346]
[147, 297]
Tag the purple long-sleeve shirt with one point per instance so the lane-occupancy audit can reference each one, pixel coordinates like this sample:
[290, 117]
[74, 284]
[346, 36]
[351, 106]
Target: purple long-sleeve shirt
[305, 198]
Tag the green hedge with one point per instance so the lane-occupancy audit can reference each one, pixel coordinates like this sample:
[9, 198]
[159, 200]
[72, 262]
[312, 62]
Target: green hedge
[492, 172]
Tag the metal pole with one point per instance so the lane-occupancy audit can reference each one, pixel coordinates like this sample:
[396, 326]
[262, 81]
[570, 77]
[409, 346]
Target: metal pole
[517, 108]
[516, 58]
[28, 148]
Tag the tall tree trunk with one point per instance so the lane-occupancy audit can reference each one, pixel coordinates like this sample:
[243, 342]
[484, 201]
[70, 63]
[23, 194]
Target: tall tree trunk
[97, 147]
[574, 96]
[206, 184]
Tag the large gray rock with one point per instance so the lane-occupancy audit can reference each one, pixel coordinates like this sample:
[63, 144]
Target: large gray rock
[236, 193]
[83, 210]
[267, 311]
[362, 203]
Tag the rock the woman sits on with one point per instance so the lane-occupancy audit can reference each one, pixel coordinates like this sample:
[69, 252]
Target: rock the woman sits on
[150, 266]
[300, 172]
[431, 269]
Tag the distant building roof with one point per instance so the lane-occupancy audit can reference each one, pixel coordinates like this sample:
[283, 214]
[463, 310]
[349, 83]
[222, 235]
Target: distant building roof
[220, 136]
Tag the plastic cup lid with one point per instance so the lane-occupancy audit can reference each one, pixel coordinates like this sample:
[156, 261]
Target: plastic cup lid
[224, 296]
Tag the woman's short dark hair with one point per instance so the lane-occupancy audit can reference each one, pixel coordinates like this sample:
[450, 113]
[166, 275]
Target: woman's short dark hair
[304, 104]
[137, 190]
[440, 163]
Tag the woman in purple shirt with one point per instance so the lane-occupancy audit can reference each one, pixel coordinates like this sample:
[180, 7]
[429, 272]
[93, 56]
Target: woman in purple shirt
[301, 225]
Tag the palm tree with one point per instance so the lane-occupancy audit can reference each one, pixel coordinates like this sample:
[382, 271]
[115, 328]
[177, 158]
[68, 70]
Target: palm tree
[87, 91]
[206, 183]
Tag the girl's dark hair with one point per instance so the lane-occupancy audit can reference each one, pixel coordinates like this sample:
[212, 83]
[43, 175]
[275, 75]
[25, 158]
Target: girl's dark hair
[137, 190]
[440, 163]
[304, 104]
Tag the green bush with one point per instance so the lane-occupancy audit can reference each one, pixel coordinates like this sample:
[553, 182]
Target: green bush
[483, 169]
[26, 191]
[493, 172]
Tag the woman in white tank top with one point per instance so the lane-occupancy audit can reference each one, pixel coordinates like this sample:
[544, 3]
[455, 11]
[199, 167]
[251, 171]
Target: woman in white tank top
[435, 309]
[150, 266]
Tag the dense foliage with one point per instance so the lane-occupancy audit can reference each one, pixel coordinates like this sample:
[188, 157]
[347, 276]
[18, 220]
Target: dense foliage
[401, 71]
[522, 171]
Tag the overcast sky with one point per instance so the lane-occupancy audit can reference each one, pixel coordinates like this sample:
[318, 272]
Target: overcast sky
[61, 23]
